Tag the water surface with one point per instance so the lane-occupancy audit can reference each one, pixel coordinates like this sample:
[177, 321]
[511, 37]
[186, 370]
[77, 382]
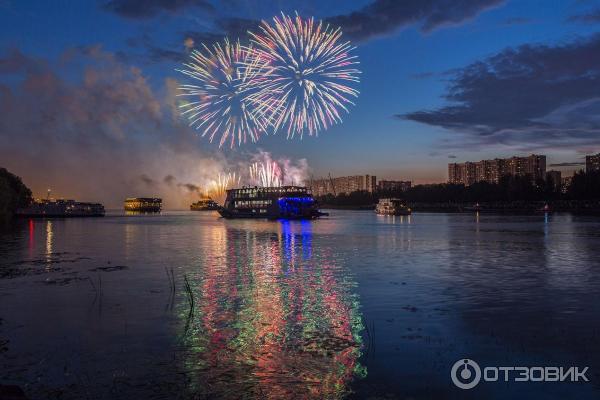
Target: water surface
[188, 305]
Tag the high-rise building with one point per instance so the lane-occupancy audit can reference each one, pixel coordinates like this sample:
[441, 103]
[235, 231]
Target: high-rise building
[492, 170]
[393, 186]
[344, 184]
[555, 177]
[592, 163]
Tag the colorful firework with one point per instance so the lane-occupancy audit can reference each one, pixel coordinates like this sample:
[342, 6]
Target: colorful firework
[311, 74]
[219, 187]
[220, 105]
[266, 174]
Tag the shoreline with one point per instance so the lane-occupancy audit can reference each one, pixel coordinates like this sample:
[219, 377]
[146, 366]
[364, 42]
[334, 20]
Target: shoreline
[521, 207]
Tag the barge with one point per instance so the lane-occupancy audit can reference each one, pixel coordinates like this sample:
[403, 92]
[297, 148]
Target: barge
[143, 204]
[204, 204]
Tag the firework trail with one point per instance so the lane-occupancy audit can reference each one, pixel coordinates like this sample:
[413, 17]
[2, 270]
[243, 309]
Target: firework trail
[266, 174]
[311, 74]
[219, 103]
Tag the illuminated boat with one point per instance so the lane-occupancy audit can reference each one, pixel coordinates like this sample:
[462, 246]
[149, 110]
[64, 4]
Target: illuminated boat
[61, 208]
[204, 204]
[392, 207]
[286, 202]
[143, 204]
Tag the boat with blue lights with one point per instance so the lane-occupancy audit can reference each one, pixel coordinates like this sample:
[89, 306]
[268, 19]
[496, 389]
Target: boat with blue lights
[281, 202]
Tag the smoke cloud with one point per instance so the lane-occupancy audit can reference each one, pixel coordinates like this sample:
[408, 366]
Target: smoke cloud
[106, 135]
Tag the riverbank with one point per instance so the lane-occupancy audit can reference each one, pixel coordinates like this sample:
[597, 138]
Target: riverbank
[575, 206]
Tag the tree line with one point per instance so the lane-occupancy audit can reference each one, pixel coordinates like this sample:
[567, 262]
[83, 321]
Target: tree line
[13, 194]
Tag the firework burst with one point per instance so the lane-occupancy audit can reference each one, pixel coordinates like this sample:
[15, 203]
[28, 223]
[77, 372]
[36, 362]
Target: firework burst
[266, 174]
[218, 187]
[225, 77]
[311, 74]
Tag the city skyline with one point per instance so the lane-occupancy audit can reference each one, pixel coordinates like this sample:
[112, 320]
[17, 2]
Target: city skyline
[440, 83]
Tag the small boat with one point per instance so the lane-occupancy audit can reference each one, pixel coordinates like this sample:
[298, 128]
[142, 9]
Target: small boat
[61, 208]
[392, 206]
[285, 202]
[204, 204]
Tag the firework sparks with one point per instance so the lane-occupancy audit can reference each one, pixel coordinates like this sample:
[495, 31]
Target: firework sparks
[266, 174]
[218, 188]
[220, 100]
[311, 75]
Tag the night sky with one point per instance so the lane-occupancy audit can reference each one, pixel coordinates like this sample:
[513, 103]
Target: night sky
[87, 90]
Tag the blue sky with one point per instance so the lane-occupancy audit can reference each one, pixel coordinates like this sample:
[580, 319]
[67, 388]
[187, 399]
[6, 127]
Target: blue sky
[401, 126]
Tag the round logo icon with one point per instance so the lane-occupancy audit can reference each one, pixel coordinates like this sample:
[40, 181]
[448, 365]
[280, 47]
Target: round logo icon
[465, 374]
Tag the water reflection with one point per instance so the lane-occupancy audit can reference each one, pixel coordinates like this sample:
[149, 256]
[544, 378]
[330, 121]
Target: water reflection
[49, 237]
[273, 317]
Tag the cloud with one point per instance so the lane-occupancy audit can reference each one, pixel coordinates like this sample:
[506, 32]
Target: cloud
[100, 135]
[190, 187]
[591, 17]
[232, 28]
[138, 9]
[104, 134]
[451, 156]
[169, 180]
[147, 180]
[531, 97]
[383, 17]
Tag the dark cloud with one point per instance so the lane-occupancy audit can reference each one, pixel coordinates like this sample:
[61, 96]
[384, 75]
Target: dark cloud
[568, 164]
[533, 97]
[451, 156]
[190, 187]
[382, 17]
[147, 180]
[591, 17]
[169, 180]
[150, 8]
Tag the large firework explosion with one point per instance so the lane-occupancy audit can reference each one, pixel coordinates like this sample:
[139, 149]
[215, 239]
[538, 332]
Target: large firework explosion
[219, 100]
[311, 74]
[297, 75]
